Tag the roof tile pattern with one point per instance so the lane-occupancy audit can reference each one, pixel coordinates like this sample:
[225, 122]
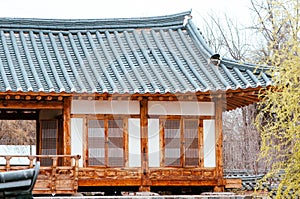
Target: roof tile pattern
[142, 55]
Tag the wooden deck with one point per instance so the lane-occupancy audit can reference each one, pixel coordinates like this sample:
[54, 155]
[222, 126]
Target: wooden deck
[61, 174]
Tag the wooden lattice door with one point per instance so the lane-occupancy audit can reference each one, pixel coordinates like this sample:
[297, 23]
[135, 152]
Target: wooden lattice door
[48, 140]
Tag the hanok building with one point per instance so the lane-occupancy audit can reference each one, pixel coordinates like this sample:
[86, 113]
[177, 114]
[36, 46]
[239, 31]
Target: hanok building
[129, 104]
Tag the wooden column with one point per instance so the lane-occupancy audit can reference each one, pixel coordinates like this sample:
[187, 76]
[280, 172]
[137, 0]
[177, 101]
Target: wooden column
[67, 129]
[85, 142]
[145, 186]
[126, 142]
[220, 101]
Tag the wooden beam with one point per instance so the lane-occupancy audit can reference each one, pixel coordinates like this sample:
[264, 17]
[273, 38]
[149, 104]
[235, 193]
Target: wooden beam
[246, 100]
[231, 102]
[254, 98]
[18, 116]
[108, 182]
[30, 104]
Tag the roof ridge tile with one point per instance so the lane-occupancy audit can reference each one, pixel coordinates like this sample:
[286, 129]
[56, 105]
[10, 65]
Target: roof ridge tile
[92, 24]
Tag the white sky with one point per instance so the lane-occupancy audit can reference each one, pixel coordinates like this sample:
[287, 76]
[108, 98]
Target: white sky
[121, 8]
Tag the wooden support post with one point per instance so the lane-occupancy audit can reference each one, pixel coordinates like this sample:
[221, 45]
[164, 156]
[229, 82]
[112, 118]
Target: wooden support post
[201, 143]
[76, 171]
[126, 147]
[219, 108]
[144, 146]
[67, 129]
[85, 144]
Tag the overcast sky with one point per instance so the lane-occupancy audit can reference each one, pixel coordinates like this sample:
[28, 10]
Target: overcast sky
[120, 8]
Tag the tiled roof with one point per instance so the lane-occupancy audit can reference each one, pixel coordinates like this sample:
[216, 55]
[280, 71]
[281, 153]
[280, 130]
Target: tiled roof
[136, 55]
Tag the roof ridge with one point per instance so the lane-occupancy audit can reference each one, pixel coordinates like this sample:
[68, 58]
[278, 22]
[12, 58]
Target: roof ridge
[86, 24]
[245, 65]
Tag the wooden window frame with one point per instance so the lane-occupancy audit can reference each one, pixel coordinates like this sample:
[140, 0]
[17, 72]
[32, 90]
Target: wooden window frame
[106, 118]
[200, 119]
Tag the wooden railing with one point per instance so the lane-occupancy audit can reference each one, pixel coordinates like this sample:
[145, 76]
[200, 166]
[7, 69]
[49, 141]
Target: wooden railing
[58, 175]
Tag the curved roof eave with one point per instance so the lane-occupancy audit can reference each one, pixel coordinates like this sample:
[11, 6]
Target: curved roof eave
[54, 55]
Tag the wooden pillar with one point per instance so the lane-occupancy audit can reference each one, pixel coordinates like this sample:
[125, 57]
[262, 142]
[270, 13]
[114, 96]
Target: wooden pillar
[219, 108]
[144, 146]
[38, 135]
[126, 142]
[67, 129]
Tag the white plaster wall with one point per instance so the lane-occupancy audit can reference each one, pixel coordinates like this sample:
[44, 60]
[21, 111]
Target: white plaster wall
[181, 108]
[77, 138]
[153, 143]
[209, 143]
[105, 107]
[134, 142]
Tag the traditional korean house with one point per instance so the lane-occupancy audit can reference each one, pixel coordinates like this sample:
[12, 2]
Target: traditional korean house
[121, 104]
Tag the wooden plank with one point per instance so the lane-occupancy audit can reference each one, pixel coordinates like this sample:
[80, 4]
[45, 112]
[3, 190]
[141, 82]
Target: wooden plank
[109, 182]
[233, 183]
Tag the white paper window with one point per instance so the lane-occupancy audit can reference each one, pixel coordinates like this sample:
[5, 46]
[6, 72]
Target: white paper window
[134, 142]
[209, 143]
[153, 143]
[76, 138]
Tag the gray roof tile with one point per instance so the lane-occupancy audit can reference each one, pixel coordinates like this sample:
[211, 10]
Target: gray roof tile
[139, 55]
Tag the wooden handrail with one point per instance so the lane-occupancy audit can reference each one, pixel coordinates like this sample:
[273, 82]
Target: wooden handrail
[54, 168]
[31, 159]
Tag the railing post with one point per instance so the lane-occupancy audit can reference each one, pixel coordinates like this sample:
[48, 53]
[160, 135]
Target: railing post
[53, 177]
[31, 158]
[76, 169]
[7, 165]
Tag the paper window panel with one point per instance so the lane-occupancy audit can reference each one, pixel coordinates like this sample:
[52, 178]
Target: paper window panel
[191, 142]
